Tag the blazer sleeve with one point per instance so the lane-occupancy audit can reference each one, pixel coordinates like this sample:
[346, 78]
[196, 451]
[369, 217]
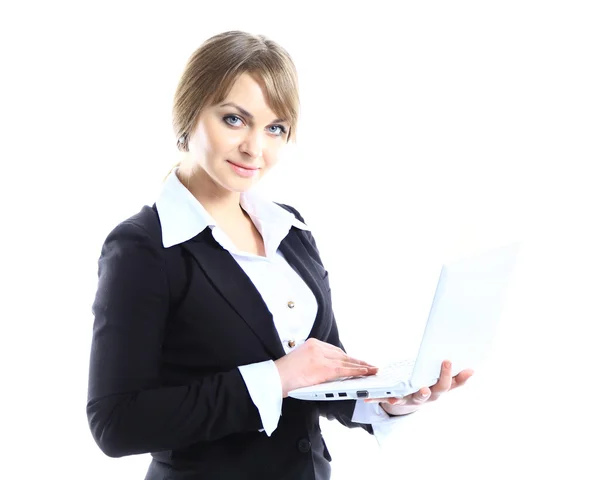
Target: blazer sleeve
[128, 410]
[340, 410]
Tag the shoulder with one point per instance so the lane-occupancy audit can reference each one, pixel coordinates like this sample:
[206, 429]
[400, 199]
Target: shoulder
[143, 228]
[132, 268]
[132, 253]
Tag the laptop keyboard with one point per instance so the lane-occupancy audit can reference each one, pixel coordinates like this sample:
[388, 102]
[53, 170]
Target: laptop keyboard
[396, 371]
[392, 373]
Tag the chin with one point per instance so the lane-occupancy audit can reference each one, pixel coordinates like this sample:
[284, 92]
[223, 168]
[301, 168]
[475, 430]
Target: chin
[238, 185]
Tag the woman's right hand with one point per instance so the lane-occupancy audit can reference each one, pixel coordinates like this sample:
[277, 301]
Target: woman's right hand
[316, 362]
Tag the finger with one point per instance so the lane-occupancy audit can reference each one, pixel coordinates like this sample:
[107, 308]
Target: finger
[347, 371]
[353, 364]
[341, 355]
[417, 398]
[359, 362]
[399, 400]
[461, 378]
[445, 381]
[420, 397]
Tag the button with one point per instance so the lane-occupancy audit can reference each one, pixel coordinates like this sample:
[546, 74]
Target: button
[291, 304]
[292, 343]
[304, 445]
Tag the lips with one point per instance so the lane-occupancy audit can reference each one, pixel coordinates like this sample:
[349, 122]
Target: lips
[244, 172]
[247, 167]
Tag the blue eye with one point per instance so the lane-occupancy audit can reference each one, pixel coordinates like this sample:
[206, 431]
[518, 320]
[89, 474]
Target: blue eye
[227, 119]
[282, 130]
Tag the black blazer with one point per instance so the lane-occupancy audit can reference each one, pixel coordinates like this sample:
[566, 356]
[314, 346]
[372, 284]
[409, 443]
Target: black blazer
[171, 327]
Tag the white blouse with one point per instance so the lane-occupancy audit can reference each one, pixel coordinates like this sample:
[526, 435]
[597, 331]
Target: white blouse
[288, 298]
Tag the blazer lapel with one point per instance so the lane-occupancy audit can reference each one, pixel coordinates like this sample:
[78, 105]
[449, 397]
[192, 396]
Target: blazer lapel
[235, 286]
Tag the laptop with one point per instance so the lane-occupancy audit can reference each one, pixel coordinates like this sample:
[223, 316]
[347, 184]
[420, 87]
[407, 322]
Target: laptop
[466, 308]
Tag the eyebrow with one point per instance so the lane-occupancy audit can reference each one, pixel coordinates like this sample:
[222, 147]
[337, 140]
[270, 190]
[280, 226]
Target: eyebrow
[248, 114]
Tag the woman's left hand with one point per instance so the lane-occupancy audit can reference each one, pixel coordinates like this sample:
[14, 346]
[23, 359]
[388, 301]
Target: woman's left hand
[414, 401]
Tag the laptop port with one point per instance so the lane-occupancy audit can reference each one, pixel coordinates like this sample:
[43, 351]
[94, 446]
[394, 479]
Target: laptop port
[329, 395]
[342, 394]
[362, 394]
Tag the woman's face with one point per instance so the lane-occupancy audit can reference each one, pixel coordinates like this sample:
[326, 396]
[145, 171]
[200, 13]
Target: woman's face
[237, 141]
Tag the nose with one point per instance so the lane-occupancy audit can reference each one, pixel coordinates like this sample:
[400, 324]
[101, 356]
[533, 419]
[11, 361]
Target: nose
[252, 145]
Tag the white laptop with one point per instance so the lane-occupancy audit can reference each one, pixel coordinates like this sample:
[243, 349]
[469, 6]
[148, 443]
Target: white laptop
[465, 311]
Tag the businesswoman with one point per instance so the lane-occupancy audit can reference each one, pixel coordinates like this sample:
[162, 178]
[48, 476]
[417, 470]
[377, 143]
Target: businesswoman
[213, 303]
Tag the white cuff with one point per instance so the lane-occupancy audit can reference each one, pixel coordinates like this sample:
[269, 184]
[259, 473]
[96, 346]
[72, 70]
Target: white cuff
[264, 385]
[382, 423]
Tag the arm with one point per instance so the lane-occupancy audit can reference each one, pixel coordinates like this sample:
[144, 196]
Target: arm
[129, 411]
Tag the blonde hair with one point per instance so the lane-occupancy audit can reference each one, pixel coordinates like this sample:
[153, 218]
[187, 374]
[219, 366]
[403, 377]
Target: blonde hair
[214, 67]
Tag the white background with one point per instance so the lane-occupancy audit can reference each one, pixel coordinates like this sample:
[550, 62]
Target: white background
[427, 129]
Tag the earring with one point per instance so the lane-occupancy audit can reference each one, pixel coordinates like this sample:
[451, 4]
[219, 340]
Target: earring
[181, 139]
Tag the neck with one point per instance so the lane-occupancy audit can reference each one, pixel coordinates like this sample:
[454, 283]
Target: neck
[222, 204]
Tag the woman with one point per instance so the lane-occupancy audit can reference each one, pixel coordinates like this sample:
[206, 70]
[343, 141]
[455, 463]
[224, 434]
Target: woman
[214, 303]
